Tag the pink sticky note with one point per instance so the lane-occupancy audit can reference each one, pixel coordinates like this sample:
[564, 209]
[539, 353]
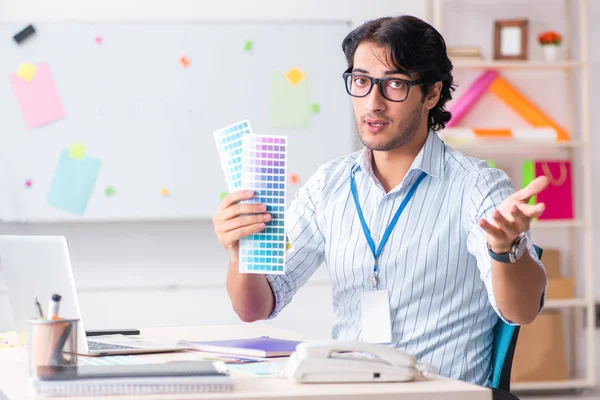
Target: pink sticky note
[99, 39]
[39, 99]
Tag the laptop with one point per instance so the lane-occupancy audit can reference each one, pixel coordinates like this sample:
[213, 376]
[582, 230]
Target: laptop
[41, 266]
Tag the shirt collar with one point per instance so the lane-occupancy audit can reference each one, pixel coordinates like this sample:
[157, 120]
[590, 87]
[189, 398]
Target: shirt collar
[430, 158]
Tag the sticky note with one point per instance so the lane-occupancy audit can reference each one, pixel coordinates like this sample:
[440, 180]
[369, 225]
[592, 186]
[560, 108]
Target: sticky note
[289, 104]
[248, 45]
[315, 108]
[26, 71]
[77, 151]
[110, 191]
[38, 99]
[294, 178]
[24, 34]
[28, 183]
[73, 182]
[164, 192]
[98, 39]
[223, 195]
[491, 164]
[185, 62]
[294, 76]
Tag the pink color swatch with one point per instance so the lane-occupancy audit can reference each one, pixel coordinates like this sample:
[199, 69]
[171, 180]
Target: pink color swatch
[39, 100]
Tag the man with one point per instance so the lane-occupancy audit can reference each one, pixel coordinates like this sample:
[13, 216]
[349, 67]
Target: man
[408, 227]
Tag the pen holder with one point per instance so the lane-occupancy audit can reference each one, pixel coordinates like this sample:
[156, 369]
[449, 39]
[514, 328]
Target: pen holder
[52, 345]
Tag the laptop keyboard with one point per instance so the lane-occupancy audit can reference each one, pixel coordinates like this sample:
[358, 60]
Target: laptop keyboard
[94, 346]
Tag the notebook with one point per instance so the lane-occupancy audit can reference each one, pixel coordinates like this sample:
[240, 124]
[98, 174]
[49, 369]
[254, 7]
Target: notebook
[176, 377]
[253, 347]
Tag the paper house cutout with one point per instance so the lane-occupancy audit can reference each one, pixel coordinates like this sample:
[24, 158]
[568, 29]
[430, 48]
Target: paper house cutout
[543, 126]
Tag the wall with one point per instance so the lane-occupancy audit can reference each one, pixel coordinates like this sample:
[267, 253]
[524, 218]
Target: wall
[149, 274]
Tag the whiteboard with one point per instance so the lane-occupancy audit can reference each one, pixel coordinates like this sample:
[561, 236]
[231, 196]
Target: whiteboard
[148, 119]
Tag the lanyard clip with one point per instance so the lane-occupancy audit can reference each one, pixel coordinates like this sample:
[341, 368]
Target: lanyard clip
[373, 279]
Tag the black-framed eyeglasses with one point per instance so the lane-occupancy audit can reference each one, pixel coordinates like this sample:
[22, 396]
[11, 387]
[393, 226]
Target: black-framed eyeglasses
[392, 89]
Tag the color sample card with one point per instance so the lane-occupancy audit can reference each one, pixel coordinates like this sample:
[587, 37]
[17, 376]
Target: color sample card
[229, 144]
[265, 172]
[290, 105]
[73, 182]
[38, 98]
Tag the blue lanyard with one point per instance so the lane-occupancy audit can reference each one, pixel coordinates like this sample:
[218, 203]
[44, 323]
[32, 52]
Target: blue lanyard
[391, 225]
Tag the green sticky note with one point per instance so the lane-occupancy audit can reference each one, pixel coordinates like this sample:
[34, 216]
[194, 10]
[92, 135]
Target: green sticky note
[223, 195]
[290, 104]
[248, 45]
[77, 151]
[110, 191]
[491, 164]
[314, 108]
[73, 182]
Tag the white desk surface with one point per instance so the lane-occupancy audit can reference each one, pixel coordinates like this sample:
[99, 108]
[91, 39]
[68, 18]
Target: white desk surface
[14, 381]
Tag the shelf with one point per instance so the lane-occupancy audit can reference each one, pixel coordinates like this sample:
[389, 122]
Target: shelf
[551, 385]
[564, 303]
[550, 224]
[509, 144]
[500, 64]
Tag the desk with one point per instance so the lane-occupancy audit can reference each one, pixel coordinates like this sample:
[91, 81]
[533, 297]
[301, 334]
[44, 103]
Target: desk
[14, 380]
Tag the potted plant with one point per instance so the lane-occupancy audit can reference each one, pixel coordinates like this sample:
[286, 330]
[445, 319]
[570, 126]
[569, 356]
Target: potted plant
[550, 41]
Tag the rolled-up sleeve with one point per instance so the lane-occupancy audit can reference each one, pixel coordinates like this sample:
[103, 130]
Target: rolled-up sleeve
[491, 187]
[307, 242]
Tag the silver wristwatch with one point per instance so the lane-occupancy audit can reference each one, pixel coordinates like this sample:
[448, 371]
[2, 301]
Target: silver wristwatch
[516, 252]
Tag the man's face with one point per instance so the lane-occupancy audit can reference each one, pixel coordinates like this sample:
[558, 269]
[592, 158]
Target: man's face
[382, 124]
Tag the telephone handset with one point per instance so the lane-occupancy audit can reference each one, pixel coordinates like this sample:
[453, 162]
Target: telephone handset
[350, 361]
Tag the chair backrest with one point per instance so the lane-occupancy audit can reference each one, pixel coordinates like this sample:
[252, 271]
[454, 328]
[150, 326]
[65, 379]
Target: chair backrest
[503, 348]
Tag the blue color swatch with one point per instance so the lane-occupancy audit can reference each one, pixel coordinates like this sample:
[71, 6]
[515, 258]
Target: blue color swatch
[264, 172]
[229, 144]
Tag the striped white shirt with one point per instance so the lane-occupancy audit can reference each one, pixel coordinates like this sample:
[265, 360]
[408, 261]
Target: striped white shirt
[435, 264]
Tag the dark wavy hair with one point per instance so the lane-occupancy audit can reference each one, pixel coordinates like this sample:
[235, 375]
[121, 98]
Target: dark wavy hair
[415, 46]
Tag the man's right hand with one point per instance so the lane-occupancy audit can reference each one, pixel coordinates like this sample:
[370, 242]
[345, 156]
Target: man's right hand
[234, 221]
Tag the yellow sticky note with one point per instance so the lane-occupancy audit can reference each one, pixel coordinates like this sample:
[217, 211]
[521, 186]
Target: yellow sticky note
[26, 71]
[294, 76]
[77, 151]
[164, 192]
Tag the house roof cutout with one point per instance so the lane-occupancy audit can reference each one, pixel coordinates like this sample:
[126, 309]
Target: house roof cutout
[490, 80]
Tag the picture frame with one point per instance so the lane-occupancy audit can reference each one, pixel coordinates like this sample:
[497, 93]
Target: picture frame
[510, 39]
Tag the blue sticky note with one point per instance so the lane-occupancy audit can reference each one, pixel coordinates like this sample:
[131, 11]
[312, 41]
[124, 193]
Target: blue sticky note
[73, 182]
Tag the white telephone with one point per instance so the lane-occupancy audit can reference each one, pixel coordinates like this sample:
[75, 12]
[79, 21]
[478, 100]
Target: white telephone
[349, 361]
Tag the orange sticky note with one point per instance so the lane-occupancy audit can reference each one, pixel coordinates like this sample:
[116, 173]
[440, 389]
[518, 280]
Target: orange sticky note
[184, 61]
[294, 179]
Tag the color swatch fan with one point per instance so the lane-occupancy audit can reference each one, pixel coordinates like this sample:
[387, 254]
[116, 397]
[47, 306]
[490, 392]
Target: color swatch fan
[264, 171]
[229, 144]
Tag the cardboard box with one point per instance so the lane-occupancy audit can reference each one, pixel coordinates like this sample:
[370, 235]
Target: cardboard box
[560, 288]
[540, 353]
[551, 259]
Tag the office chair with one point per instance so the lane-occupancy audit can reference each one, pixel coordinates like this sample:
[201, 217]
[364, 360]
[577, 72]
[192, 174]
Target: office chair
[503, 350]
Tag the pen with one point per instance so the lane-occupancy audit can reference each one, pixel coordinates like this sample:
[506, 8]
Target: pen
[53, 306]
[38, 306]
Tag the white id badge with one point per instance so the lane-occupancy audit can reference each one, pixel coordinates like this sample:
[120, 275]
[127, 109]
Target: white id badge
[375, 317]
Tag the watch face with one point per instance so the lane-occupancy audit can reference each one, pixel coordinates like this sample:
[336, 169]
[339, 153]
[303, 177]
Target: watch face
[521, 247]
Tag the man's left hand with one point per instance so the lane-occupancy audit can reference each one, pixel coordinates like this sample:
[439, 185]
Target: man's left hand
[514, 216]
